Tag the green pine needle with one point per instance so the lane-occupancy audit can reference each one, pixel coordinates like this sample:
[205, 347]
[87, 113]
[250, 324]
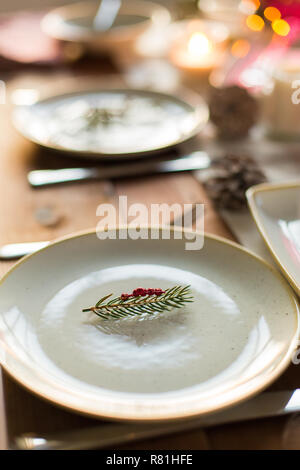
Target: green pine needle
[118, 308]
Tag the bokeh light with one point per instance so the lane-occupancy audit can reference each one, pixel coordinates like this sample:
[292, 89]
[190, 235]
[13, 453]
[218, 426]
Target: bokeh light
[255, 22]
[199, 45]
[240, 48]
[249, 7]
[281, 27]
[272, 13]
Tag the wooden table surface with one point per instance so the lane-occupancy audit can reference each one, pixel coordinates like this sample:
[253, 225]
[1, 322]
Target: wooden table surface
[73, 207]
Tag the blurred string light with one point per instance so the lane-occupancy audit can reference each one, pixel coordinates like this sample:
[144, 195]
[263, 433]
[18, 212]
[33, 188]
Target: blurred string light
[255, 22]
[281, 27]
[240, 48]
[272, 13]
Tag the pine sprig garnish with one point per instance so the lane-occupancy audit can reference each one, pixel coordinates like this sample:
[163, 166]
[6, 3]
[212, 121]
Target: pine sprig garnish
[132, 305]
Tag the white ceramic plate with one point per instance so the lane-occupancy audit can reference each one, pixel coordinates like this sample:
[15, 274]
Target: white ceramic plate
[236, 338]
[110, 123]
[74, 23]
[276, 211]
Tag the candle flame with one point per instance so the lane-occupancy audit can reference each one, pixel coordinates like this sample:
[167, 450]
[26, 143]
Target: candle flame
[199, 45]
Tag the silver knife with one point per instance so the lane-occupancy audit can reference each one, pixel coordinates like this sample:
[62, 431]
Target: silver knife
[13, 251]
[17, 250]
[106, 14]
[194, 161]
[266, 404]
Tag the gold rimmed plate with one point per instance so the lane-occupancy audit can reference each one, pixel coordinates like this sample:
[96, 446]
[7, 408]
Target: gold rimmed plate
[235, 338]
[111, 123]
[276, 212]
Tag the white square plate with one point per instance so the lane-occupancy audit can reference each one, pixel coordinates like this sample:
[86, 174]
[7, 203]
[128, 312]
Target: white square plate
[276, 211]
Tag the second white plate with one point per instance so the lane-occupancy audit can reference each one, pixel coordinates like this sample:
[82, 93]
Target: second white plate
[111, 123]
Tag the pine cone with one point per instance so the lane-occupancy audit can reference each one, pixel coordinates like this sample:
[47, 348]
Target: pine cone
[231, 177]
[233, 111]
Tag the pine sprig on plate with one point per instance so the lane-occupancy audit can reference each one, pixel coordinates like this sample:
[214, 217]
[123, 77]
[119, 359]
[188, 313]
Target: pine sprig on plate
[150, 301]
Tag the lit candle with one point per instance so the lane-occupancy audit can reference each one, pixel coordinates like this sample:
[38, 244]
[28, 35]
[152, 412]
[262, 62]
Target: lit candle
[281, 105]
[196, 53]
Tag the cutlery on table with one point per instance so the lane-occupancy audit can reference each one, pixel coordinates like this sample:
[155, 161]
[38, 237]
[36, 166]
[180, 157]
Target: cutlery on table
[198, 160]
[17, 250]
[266, 404]
[194, 161]
[106, 14]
